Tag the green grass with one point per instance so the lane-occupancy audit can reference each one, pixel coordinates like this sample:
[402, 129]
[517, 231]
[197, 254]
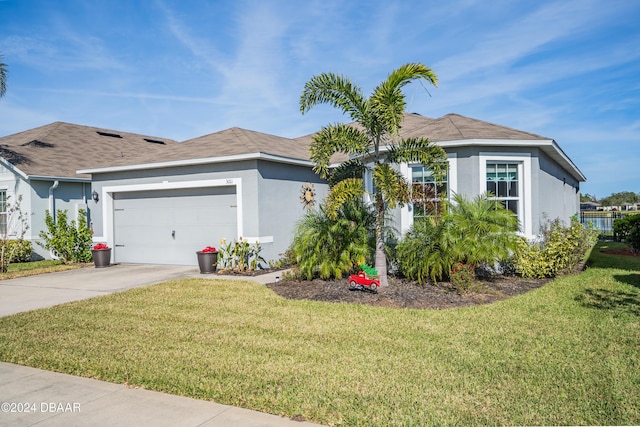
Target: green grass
[565, 354]
[24, 269]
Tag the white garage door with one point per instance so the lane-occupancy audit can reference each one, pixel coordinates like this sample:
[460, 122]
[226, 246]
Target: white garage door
[169, 226]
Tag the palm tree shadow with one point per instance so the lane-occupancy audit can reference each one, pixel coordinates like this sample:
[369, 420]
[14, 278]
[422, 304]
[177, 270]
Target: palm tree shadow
[619, 302]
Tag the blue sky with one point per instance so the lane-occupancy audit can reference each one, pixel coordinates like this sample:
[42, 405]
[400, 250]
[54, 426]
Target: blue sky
[568, 70]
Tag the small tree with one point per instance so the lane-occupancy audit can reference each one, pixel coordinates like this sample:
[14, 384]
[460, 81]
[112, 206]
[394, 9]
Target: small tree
[68, 241]
[14, 223]
[379, 118]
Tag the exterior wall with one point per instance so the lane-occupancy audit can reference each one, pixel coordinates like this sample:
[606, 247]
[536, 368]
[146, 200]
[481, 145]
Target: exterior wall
[270, 197]
[554, 180]
[68, 196]
[281, 208]
[16, 187]
[547, 191]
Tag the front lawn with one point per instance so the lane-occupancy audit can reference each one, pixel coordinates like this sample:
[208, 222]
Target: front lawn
[23, 269]
[564, 354]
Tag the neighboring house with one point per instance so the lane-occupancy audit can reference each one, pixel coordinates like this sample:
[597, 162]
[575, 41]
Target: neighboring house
[159, 201]
[589, 206]
[39, 165]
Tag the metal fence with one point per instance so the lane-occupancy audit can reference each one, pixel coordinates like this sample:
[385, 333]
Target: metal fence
[602, 220]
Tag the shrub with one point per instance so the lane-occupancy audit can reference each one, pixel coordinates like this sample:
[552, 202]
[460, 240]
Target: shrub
[559, 249]
[68, 241]
[628, 230]
[328, 247]
[473, 232]
[16, 224]
[422, 253]
[462, 277]
[20, 249]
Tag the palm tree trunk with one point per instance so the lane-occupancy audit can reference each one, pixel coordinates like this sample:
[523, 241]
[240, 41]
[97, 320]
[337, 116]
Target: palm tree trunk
[381, 258]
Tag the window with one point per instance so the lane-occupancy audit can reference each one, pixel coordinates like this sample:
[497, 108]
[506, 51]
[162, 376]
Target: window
[503, 183]
[426, 195]
[3, 213]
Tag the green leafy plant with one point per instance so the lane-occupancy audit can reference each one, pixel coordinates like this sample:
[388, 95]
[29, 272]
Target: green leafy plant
[331, 247]
[15, 224]
[628, 230]
[239, 255]
[473, 232]
[69, 241]
[462, 277]
[559, 249]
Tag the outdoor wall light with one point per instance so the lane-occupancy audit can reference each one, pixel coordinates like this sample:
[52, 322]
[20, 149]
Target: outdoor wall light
[95, 196]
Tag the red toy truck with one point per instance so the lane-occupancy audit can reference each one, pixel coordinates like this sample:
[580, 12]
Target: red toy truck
[366, 279]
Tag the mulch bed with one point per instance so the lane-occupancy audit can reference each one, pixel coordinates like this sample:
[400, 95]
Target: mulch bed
[623, 252]
[405, 294]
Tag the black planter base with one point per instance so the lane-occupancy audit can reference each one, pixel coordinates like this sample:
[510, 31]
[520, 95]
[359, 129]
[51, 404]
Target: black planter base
[207, 262]
[101, 257]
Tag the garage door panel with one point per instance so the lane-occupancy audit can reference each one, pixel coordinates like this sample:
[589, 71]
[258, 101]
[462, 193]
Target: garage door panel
[167, 227]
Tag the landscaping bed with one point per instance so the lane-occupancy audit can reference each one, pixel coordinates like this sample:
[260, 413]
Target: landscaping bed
[405, 294]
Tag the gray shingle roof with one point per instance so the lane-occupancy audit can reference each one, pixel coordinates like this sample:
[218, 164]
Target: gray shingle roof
[454, 127]
[60, 149]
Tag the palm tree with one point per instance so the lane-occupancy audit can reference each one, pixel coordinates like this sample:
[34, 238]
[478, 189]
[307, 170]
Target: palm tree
[378, 121]
[3, 77]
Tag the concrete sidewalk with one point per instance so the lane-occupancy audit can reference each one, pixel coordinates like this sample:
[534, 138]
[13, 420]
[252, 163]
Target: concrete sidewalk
[31, 396]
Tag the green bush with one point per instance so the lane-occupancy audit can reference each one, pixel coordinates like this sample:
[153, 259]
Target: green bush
[16, 224]
[326, 248]
[627, 229]
[20, 249]
[473, 232]
[462, 277]
[68, 241]
[559, 249]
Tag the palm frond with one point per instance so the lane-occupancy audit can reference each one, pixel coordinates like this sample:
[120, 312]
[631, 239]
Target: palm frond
[392, 185]
[335, 90]
[353, 168]
[332, 139]
[388, 101]
[420, 150]
[3, 77]
[343, 192]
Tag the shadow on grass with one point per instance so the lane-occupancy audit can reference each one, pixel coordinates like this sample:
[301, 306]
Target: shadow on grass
[620, 302]
[608, 255]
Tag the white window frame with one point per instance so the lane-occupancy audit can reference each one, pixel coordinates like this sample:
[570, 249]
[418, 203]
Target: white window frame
[406, 213]
[523, 160]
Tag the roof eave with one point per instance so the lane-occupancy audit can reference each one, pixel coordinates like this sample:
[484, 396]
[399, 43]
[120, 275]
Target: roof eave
[203, 161]
[549, 146]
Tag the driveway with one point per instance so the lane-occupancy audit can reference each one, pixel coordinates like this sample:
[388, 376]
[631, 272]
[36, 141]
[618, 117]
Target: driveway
[45, 290]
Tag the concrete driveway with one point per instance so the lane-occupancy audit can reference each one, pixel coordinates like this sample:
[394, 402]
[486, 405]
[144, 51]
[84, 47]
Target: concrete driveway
[46, 290]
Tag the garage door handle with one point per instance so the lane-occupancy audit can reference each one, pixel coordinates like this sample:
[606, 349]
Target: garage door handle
[173, 234]
[119, 246]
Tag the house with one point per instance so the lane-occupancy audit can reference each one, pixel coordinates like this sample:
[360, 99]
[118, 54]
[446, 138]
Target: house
[38, 166]
[528, 173]
[227, 185]
[159, 201]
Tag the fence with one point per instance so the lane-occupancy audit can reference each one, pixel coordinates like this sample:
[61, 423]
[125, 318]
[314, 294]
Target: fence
[602, 220]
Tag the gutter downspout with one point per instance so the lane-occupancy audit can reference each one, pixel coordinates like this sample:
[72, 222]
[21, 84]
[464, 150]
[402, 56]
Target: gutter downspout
[51, 208]
[51, 202]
